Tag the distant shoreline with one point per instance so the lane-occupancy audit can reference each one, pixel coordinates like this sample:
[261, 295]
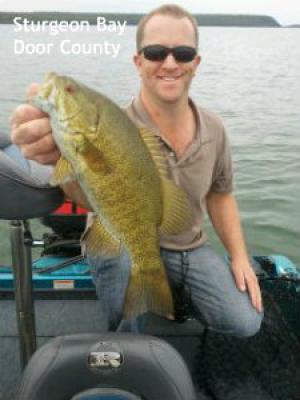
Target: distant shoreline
[221, 20]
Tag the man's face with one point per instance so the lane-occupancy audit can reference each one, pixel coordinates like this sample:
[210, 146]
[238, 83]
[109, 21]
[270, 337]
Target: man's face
[167, 81]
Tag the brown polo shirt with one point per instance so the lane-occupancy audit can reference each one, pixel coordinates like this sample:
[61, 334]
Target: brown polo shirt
[205, 167]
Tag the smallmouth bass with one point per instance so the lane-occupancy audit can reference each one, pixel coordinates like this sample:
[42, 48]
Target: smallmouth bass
[124, 177]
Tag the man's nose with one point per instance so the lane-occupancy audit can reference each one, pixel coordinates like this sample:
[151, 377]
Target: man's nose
[170, 62]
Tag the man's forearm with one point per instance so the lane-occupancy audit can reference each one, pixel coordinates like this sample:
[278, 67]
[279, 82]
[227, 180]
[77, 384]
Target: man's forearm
[224, 214]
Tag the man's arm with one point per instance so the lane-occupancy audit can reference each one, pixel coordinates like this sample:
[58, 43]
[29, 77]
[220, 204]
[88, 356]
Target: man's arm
[31, 131]
[223, 212]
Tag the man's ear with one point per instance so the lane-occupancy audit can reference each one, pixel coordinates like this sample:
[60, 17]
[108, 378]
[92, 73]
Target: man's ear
[197, 62]
[198, 59]
[137, 60]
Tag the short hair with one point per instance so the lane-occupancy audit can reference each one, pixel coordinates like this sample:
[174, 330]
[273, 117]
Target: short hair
[171, 10]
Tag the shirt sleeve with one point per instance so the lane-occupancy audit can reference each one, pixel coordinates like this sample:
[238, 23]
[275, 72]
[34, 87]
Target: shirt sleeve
[222, 180]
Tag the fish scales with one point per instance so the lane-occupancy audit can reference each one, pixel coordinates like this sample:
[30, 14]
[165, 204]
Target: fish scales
[105, 152]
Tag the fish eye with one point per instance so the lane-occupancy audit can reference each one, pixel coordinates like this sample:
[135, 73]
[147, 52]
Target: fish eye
[69, 88]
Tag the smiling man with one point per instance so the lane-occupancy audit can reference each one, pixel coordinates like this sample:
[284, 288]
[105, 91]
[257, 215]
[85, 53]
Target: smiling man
[226, 298]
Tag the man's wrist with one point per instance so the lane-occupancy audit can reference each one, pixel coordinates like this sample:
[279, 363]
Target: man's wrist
[239, 258]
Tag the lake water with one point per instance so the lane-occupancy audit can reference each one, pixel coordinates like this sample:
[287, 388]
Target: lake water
[251, 77]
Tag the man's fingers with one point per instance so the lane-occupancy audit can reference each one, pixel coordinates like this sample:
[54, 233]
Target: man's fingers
[259, 299]
[39, 147]
[246, 279]
[24, 113]
[32, 89]
[239, 279]
[254, 291]
[49, 158]
[31, 131]
[252, 294]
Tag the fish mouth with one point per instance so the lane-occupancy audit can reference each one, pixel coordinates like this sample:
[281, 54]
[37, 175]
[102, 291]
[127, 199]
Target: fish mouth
[52, 98]
[48, 105]
[49, 93]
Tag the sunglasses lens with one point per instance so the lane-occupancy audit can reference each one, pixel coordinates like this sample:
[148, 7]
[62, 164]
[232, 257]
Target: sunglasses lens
[155, 53]
[184, 53]
[159, 53]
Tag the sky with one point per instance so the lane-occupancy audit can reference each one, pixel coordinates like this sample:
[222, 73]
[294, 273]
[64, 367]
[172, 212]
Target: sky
[285, 11]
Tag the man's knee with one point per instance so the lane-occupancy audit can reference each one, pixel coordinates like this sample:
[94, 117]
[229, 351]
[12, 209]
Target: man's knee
[247, 324]
[237, 321]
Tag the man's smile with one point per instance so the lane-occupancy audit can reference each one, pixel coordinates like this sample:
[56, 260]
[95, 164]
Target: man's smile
[168, 78]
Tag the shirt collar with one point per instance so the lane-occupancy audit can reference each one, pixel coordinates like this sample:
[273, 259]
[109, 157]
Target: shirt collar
[145, 119]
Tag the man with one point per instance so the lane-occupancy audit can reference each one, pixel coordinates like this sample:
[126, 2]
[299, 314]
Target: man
[197, 150]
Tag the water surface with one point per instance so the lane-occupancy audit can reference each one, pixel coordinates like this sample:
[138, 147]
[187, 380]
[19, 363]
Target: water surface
[250, 76]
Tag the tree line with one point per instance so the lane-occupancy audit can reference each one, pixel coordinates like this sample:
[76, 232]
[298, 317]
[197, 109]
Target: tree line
[132, 19]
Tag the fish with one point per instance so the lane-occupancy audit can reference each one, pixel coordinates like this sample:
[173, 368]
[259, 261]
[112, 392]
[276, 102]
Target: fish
[124, 176]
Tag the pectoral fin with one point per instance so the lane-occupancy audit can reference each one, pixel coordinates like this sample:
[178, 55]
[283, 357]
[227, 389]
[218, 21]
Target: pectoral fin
[176, 214]
[63, 172]
[96, 161]
[153, 146]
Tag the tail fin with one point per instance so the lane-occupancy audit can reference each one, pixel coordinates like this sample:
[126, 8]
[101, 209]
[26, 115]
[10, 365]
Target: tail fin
[148, 290]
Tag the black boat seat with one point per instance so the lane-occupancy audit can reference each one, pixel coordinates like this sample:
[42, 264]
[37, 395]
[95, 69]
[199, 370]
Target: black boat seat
[33, 168]
[24, 196]
[4, 140]
[110, 366]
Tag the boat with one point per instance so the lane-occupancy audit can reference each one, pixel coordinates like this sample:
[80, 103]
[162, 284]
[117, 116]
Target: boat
[53, 335]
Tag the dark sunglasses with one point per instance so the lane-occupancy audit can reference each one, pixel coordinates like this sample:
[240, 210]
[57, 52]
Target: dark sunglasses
[157, 52]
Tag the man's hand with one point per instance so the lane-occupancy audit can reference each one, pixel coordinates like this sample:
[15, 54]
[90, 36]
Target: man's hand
[31, 131]
[246, 279]
[224, 214]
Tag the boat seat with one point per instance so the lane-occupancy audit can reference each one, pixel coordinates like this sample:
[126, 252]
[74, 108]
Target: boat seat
[24, 196]
[107, 394]
[33, 168]
[62, 221]
[4, 139]
[114, 366]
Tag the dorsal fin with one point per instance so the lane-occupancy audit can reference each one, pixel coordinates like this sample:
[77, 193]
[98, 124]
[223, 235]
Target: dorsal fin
[176, 212]
[176, 215]
[153, 146]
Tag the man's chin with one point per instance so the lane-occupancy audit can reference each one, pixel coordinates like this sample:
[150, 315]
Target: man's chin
[170, 98]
